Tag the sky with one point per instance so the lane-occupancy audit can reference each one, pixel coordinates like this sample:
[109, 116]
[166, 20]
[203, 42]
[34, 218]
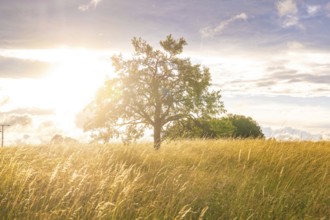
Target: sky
[270, 59]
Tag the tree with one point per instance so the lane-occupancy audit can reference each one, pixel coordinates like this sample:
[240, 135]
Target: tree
[152, 89]
[59, 139]
[245, 127]
[200, 128]
[235, 126]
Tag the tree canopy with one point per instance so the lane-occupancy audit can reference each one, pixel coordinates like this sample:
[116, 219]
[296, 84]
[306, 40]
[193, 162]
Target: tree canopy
[152, 89]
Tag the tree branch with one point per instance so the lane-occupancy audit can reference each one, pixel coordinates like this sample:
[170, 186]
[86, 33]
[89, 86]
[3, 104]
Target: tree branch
[143, 114]
[174, 118]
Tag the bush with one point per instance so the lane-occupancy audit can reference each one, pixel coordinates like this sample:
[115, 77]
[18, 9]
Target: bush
[245, 127]
[234, 126]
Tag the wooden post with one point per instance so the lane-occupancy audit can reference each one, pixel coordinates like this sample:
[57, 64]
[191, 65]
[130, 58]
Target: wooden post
[3, 133]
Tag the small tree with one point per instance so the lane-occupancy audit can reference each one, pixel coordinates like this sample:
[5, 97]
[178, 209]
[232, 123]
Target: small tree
[245, 127]
[152, 89]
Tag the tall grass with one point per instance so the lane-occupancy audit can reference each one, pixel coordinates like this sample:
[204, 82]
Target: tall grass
[247, 179]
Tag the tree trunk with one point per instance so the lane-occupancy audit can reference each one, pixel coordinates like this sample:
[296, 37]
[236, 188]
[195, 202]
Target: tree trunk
[157, 136]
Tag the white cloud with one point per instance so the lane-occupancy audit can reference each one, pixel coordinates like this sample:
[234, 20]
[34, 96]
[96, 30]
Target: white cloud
[211, 31]
[325, 136]
[286, 7]
[92, 3]
[292, 21]
[4, 101]
[295, 45]
[327, 8]
[291, 134]
[288, 12]
[313, 9]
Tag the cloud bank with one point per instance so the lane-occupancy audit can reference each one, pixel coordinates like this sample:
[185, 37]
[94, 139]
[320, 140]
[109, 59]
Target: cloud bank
[292, 134]
[18, 120]
[31, 111]
[19, 68]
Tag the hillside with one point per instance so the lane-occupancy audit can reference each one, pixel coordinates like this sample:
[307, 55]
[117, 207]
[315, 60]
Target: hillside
[224, 179]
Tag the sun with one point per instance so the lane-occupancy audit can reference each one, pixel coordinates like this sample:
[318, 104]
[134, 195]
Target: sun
[75, 74]
[74, 79]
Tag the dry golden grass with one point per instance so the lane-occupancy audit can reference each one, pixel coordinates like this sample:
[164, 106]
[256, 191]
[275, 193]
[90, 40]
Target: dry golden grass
[223, 179]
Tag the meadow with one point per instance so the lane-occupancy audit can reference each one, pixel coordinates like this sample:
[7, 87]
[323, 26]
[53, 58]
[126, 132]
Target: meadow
[198, 179]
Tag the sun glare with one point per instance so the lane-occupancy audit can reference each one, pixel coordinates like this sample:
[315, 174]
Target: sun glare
[69, 85]
[73, 81]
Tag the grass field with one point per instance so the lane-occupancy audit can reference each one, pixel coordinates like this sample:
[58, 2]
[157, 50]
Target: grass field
[224, 179]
